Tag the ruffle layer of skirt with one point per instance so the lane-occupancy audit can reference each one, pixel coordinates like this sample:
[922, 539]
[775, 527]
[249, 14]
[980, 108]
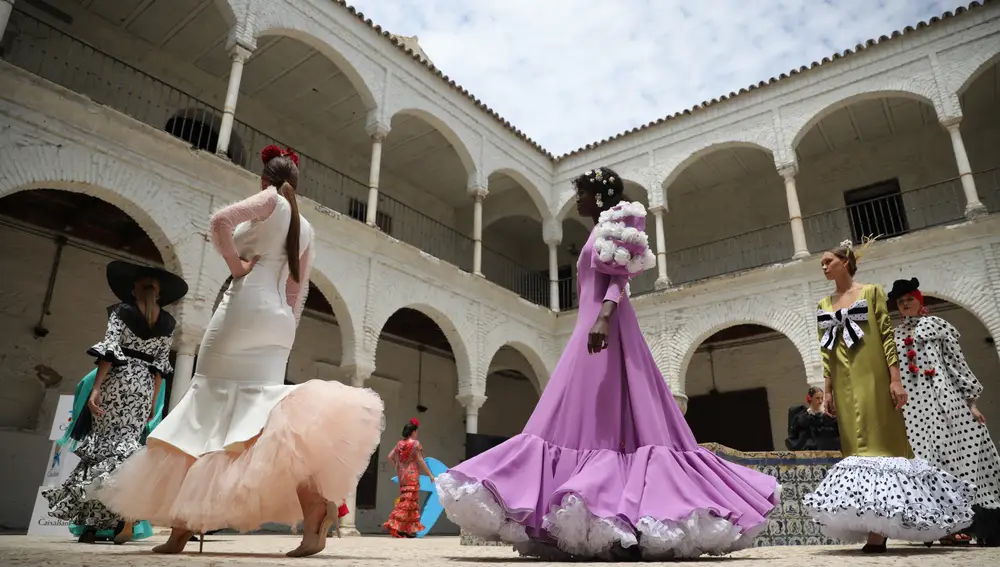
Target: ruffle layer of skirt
[321, 434]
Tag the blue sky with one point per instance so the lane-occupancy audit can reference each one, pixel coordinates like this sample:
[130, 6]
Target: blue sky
[571, 72]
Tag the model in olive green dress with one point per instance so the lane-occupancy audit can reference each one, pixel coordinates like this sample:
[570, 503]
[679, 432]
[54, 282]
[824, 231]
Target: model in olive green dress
[878, 490]
[869, 424]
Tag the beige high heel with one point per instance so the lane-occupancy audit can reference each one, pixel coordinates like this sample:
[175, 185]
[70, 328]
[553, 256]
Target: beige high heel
[125, 535]
[179, 544]
[316, 542]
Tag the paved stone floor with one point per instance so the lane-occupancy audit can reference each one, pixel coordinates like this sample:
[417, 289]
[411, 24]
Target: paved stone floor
[226, 550]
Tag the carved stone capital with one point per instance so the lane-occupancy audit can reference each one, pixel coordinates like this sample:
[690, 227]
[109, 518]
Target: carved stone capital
[377, 129]
[788, 171]
[951, 122]
[478, 192]
[471, 402]
[552, 232]
[356, 375]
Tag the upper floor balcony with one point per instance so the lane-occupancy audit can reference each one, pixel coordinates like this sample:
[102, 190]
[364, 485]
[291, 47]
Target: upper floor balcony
[842, 151]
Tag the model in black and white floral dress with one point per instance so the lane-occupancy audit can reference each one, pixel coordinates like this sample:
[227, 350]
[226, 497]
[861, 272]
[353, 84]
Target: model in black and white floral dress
[943, 424]
[132, 360]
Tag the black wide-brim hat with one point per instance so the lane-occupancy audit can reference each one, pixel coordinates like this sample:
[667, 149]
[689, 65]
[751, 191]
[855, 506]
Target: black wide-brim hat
[123, 275]
[903, 287]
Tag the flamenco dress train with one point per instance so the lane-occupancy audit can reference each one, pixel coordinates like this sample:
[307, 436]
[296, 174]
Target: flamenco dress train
[606, 460]
[239, 444]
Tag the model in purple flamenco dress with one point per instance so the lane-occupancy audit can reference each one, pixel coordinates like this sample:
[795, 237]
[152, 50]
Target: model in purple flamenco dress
[607, 467]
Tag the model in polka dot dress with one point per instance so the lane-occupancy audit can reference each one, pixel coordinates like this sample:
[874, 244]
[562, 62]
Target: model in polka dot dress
[878, 491]
[942, 421]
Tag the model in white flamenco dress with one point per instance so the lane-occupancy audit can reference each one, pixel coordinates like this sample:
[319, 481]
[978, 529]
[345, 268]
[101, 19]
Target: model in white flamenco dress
[241, 448]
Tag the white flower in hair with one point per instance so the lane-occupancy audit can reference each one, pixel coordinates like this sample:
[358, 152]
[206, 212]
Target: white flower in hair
[589, 173]
[611, 179]
[611, 191]
[847, 243]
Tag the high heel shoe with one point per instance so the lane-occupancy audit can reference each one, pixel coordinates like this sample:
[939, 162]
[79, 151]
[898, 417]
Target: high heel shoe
[89, 535]
[174, 546]
[124, 535]
[875, 548]
[315, 542]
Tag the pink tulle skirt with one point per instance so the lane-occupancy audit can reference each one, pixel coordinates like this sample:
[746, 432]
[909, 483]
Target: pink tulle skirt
[321, 435]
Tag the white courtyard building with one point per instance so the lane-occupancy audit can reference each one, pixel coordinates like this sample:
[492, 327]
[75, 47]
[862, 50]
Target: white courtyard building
[444, 277]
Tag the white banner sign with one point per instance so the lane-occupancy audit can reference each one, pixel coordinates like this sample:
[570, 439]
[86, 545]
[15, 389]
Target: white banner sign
[62, 419]
[41, 523]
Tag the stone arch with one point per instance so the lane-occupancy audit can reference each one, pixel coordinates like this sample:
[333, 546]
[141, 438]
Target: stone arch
[153, 202]
[800, 123]
[463, 359]
[226, 10]
[538, 367]
[450, 133]
[967, 65]
[694, 156]
[274, 18]
[346, 320]
[534, 193]
[711, 319]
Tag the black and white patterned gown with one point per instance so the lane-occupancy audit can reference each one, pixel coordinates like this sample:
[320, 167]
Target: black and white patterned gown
[135, 352]
[939, 423]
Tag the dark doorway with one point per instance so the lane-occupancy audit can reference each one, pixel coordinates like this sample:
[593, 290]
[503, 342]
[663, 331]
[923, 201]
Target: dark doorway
[739, 419]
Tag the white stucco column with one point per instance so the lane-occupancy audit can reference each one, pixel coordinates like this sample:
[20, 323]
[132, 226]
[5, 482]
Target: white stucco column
[356, 377]
[186, 344]
[973, 206]
[239, 55]
[471, 403]
[552, 236]
[662, 280]
[378, 132]
[478, 194]
[794, 212]
[6, 6]
[554, 276]
[682, 402]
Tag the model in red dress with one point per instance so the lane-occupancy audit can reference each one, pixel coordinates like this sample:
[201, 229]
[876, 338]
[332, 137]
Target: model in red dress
[408, 459]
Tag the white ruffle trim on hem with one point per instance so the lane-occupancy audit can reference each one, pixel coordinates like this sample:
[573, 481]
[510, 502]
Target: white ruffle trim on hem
[904, 499]
[579, 534]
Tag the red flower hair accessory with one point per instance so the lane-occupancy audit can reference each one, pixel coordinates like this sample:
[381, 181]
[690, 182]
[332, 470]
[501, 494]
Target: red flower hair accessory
[272, 151]
[414, 422]
[908, 341]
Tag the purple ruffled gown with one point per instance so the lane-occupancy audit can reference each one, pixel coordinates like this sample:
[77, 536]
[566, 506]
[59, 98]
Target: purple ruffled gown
[607, 460]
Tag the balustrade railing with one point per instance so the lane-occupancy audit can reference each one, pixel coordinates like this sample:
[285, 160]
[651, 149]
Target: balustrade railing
[56, 56]
[887, 216]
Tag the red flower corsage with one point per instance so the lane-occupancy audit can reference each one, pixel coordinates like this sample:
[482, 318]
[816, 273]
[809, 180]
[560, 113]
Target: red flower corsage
[908, 341]
[914, 369]
[911, 354]
[414, 422]
[930, 372]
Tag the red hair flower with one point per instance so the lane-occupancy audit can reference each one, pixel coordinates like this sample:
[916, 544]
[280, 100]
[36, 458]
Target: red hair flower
[930, 372]
[272, 151]
[414, 422]
[913, 368]
[908, 341]
[911, 354]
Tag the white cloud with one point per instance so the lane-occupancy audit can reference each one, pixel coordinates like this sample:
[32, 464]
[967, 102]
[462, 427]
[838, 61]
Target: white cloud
[572, 72]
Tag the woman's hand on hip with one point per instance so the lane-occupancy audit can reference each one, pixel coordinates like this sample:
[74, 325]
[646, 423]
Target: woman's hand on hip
[597, 340]
[243, 268]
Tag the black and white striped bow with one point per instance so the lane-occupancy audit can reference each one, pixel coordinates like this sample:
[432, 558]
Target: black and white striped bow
[845, 321]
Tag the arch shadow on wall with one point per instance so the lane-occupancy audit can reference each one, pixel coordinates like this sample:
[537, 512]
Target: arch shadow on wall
[685, 163]
[694, 340]
[461, 149]
[851, 99]
[134, 210]
[539, 373]
[308, 32]
[460, 350]
[532, 190]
